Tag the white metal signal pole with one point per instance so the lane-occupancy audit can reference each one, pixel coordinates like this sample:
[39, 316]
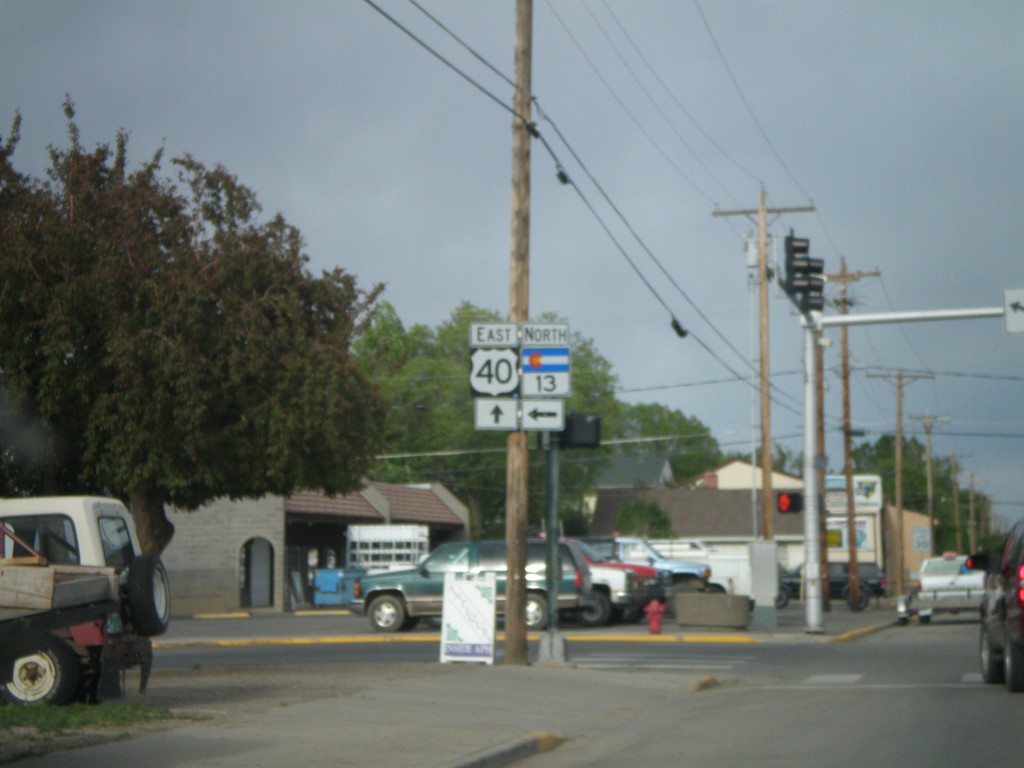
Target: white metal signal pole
[812, 540]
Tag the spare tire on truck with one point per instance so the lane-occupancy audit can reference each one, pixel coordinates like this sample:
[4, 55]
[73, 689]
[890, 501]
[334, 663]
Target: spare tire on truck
[149, 595]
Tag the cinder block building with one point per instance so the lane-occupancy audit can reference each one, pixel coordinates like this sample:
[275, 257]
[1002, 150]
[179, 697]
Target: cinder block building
[259, 553]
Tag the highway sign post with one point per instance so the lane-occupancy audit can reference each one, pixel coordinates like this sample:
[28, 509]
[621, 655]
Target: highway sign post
[520, 375]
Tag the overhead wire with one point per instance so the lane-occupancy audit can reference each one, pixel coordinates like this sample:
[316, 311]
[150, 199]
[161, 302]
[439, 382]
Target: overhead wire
[650, 97]
[564, 178]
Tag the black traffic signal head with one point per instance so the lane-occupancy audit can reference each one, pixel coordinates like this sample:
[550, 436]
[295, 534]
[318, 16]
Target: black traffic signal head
[804, 280]
[789, 501]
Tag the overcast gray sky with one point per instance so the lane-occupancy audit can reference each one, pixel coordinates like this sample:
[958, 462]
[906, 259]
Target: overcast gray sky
[901, 121]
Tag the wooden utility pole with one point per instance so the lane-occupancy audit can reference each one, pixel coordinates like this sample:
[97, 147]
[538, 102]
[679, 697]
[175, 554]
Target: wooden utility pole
[761, 212]
[928, 420]
[956, 507]
[972, 538]
[516, 480]
[901, 378]
[844, 278]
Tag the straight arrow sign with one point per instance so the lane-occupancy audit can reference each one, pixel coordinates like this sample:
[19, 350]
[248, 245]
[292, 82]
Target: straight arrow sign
[497, 413]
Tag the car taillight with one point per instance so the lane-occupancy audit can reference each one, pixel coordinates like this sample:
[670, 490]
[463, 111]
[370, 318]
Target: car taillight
[578, 581]
[1020, 584]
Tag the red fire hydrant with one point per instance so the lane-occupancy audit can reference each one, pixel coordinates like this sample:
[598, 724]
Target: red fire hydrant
[654, 610]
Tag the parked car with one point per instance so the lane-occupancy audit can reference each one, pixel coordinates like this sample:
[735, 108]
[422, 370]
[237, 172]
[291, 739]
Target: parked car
[872, 582]
[1001, 645]
[397, 600]
[684, 573]
[944, 585]
[620, 590]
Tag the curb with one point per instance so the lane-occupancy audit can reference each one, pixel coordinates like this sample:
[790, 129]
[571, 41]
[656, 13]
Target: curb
[509, 752]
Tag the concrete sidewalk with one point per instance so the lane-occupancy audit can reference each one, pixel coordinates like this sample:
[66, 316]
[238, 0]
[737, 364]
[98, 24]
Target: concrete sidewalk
[267, 627]
[406, 714]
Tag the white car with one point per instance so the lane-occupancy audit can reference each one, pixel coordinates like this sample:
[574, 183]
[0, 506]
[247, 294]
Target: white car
[945, 585]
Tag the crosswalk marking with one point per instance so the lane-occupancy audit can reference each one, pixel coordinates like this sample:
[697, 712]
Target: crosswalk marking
[832, 679]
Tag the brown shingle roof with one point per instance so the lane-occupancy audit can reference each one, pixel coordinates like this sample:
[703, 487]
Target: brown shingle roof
[381, 503]
[695, 512]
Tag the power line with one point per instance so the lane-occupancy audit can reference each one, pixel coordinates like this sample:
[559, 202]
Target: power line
[564, 178]
[746, 103]
[675, 100]
[627, 110]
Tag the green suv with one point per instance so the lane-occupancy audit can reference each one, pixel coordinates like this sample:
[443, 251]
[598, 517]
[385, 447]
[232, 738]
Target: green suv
[397, 600]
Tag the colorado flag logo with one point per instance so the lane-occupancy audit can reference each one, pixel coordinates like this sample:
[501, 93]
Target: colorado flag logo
[545, 360]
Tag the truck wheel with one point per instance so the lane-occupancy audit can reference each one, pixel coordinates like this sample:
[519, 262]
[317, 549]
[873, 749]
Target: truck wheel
[149, 595]
[1013, 666]
[688, 584]
[597, 612]
[47, 675]
[536, 612]
[387, 614]
[991, 661]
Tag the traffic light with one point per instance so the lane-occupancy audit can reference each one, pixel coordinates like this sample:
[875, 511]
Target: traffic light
[803, 282]
[789, 501]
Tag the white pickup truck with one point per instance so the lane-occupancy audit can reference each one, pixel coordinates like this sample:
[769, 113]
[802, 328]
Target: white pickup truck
[78, 600]
[945, 585]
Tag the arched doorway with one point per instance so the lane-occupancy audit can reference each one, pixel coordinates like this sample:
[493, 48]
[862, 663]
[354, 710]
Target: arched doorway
[256, 573]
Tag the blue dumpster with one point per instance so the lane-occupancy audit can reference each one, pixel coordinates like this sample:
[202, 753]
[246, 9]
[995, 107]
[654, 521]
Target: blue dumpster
[327, 586]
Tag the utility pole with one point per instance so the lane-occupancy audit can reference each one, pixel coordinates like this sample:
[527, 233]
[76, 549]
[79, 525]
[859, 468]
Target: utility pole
[516, 478]
[761, 212]
[972, 539]
[928, 422]
[844, 278]
[901, 378]
[956, 507]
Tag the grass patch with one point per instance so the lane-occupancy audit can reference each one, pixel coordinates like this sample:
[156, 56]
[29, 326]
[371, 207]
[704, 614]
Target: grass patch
[47, 719]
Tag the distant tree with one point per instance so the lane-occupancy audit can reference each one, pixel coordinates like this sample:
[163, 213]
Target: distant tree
[880, 458]
[172, 348]
[688, 443]
[643, 517]
[424, 374]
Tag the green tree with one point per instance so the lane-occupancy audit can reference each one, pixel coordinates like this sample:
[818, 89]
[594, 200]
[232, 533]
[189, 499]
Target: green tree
[173, 348]
[690, 446]
[880, 458]
[425, 375]
[643, 517]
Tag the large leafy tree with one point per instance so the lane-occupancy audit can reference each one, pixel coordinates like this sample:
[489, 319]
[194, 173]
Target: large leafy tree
[169, 346]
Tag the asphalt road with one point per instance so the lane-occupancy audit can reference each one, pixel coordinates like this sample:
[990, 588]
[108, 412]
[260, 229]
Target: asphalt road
[890, 696]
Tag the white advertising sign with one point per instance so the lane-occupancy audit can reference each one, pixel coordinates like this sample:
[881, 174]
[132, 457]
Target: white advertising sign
[468, 618]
